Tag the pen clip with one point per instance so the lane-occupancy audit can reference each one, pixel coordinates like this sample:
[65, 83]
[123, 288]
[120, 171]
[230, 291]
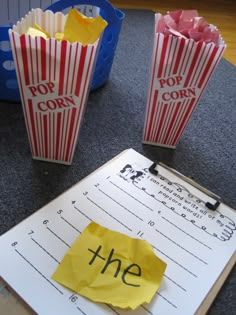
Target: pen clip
[212, 206]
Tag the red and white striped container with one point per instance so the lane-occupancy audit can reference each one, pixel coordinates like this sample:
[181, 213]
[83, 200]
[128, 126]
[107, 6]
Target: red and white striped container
[54, 78]
[181, 69]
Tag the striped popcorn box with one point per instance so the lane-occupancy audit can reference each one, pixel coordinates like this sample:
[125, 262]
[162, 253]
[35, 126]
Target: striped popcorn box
[180, 71]
[54, 78]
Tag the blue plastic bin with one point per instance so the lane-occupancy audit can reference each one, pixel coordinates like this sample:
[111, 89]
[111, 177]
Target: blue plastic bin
[114, 17]
[8, 82]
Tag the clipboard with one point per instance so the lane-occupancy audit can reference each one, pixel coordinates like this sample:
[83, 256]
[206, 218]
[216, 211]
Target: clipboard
[127, 183]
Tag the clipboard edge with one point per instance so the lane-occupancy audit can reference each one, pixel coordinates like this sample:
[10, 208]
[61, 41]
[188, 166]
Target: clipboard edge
[215, 289]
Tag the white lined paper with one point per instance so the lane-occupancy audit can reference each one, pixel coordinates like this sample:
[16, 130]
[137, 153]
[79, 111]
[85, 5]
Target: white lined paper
[139, 204]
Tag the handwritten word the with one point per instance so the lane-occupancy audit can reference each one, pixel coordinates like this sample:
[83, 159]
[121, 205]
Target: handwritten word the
[131, 270]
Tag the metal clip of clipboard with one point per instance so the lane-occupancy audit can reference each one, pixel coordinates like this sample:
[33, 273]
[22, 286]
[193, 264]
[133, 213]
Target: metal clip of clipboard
[209, 205]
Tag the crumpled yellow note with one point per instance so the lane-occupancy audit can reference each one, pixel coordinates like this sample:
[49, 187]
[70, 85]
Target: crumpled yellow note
[111, 267]
[79, 28]
[36, 30]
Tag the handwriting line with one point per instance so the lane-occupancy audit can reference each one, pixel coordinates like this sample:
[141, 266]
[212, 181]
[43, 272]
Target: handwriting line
[143, 204]
[177, 227]
[181, 266]
[81, 212]
[134, 214]
[147, 310]
[39, 245]
[187, 251]
[178, 285]
[39, 272]
[109, 214]
[57, 236]
[70, 224]
[168, 301]
[81, 311]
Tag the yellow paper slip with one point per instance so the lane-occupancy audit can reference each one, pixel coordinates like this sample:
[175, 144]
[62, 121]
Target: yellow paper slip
[111, 267]
[36, 30]
[79, 28]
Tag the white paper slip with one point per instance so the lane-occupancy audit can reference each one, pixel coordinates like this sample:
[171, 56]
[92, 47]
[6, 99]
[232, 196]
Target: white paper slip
[197, 244]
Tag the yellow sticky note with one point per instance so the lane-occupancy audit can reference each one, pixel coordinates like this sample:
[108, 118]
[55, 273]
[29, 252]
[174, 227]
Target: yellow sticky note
[111, 267]
[79, 28]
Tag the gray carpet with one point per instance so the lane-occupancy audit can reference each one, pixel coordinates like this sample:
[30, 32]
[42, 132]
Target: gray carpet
[113, 122]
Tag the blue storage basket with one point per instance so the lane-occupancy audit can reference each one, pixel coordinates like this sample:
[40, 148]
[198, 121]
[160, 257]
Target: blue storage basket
[114, 18]
[8, 82]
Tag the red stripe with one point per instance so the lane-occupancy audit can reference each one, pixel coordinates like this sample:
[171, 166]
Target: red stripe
[50, 59]
[201, 59]
[68, 71]
[186, 122]
[45, 129]
[37, 58]
[58, 134]
[41, 134]
[161, 122]
[21, 92]
[62, 134]
[66, 133]
[38, 134]
[166, 121]
[73, 76]
[62, 67]
[31, 60]
[43, 58]
[85, 87]
[82, 103]
[49, 135]
[55, 58]
[210, 61]
[169, 51]
[189, 51]
[80, 71]
[178, 133]
[17, 64]
[163, 54]
[53, 135]
[193, 63]
[209, 75]
[72, 122]
[171, 124]
[183, 61]
[176, 122]
[31, 111]
[154, 104]
[180, 52]
[158, 107]
[151, 86]
[24, 58]
[173, 60]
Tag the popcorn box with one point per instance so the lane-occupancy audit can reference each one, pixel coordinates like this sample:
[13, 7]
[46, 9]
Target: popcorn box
[54, 78]
[180, 71]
